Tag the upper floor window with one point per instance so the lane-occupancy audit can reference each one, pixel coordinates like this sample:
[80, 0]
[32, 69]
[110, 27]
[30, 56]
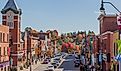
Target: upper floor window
[0, 50]
[11, 25]
[7, 37]
[4, 22]
[15, 17]
[4, 17]
[0, 37]
[4, 51]
[3, 37]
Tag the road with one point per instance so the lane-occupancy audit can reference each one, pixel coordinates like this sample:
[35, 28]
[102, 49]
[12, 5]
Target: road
[41, 67]
[68, 64]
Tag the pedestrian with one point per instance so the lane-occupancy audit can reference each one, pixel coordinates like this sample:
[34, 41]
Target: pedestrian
[35, 61]
[81, 66]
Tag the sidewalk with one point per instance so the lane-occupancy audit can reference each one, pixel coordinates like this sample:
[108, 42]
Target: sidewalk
[33, 66]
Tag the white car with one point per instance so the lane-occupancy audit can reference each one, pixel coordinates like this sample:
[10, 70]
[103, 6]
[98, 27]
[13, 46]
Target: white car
[50, 68]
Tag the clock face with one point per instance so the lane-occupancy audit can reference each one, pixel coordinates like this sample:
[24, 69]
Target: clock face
[10, 17]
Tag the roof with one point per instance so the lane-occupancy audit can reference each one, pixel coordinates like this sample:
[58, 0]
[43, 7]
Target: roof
[11, 5]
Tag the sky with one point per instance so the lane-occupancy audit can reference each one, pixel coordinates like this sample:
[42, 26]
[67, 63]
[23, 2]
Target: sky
[62, 15]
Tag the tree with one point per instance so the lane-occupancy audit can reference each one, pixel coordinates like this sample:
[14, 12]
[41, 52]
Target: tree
[28, 29]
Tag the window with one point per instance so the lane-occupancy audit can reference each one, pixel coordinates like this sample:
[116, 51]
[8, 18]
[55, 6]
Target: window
[4, 51]
[15, 17]
[11, 25]
[4, 22]
[7, 38]
[4, 68]
[0, 37]
[15, 24]
[0, 50]
[4, 17]
[1, 69]
[3, 37]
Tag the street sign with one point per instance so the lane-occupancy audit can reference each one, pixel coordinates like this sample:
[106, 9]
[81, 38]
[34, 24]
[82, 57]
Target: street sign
[118, 57]
[119, 21]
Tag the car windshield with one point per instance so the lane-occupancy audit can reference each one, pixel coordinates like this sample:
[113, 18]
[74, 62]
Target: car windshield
[53, 63]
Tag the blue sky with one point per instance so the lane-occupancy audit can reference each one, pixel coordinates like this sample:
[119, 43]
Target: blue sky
[63, 15]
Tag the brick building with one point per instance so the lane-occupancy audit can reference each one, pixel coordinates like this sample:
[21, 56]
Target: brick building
[4, 48]
[45, 43]
[107, 47]
[32, 44]
[108, 25]
[11, 16]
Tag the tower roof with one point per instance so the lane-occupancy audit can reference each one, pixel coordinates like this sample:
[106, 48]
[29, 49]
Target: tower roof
[11, 5]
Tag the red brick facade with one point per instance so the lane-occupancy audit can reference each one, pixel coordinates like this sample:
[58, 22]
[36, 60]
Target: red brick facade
[4, 48]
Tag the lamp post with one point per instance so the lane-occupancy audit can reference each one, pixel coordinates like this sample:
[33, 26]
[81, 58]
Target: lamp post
[102, 9]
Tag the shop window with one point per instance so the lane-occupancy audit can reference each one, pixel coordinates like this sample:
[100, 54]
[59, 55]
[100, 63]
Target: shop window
[108, 57]
[1, 69]
[4, 68]
[8, 68]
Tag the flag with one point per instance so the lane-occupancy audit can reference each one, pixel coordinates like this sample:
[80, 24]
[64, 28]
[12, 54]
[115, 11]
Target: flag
[119, 46]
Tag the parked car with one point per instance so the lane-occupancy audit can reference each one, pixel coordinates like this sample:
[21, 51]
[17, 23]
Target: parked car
[48, 59]
[54, 64]
[57, 59]
[77, 62]
[45, 61]
[50, 68]
[57, 62]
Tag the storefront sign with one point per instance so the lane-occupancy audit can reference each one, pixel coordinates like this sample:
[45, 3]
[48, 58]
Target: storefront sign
[118, 57]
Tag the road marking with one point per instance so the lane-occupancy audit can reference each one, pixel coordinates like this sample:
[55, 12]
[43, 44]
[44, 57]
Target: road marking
[71, 70]
[69, 60]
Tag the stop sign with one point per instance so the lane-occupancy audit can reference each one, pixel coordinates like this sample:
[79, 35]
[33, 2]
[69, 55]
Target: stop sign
[119, 21]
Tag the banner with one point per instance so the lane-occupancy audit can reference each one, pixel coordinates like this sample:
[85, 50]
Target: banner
[119, 46]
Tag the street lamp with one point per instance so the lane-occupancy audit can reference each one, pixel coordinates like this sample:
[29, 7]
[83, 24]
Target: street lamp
[102, 6]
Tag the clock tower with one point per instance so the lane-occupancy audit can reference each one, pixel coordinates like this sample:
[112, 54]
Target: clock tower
[11, 16]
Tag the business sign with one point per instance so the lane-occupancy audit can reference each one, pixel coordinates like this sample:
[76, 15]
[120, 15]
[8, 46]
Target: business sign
[119, 21]
[119, 46]
[118, 57]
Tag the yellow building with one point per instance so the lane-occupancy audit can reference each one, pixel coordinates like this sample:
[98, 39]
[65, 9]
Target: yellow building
[114, 51]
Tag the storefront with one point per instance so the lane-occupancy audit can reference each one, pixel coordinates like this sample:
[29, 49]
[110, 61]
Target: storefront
[104, 60]
[4, 66]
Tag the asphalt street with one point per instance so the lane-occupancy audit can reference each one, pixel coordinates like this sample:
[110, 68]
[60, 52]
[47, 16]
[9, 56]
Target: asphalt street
[68, 64]
[41, 67]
